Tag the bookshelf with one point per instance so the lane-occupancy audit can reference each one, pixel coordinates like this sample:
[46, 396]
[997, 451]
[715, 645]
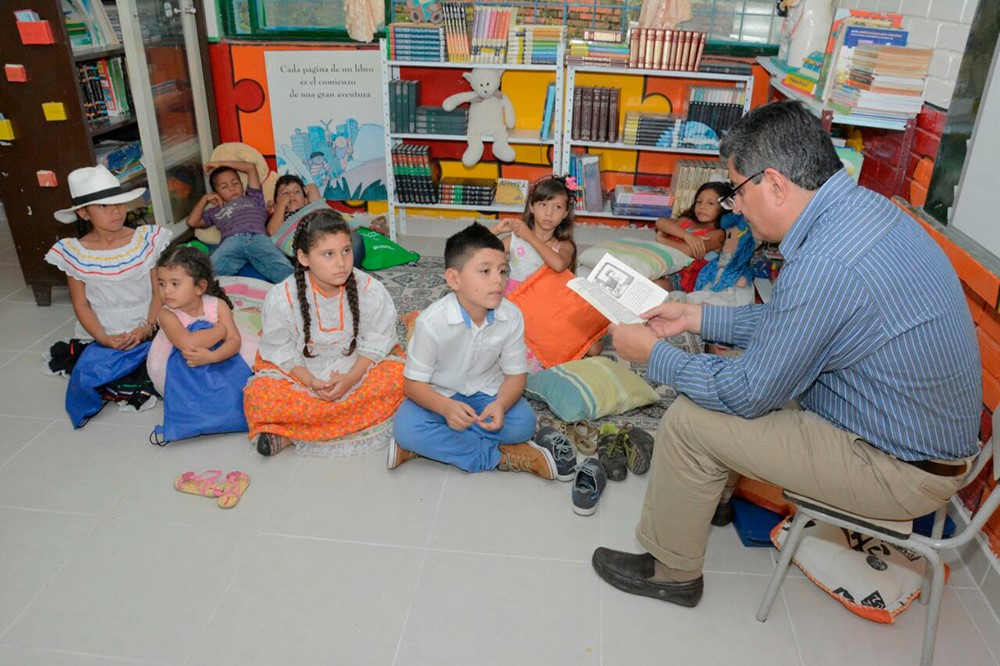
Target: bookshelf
[685, 79]
[520, 135]
[57, 146]
[829, 117]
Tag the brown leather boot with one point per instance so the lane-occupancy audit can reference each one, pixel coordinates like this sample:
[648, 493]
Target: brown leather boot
[527, 457]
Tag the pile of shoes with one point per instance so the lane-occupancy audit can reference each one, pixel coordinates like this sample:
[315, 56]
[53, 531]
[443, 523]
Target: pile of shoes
[619, 449]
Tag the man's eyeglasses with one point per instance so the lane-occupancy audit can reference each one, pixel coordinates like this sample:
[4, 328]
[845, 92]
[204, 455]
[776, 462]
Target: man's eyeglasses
[729, 201]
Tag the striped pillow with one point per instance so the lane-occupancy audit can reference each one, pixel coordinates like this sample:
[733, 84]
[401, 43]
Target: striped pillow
[589, 389]
[651, 259]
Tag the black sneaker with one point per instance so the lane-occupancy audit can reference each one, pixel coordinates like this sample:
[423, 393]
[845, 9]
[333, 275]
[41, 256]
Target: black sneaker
[561, 449]
[588, 486]
[611, 452]
[638, 445]
[269, 444]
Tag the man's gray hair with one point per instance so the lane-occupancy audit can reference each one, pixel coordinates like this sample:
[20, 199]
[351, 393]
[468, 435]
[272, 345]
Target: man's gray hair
[786, 137]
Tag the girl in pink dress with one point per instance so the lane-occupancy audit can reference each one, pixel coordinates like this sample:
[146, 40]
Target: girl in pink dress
[190, 292]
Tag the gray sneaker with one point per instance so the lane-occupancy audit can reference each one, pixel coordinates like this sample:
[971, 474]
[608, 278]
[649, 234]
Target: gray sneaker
[588, 486]
[561, 449]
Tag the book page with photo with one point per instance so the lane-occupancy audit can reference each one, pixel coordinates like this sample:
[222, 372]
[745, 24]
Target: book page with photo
[618, 292]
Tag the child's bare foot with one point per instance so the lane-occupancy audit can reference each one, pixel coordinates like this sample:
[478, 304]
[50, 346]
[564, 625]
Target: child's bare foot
[269, 444]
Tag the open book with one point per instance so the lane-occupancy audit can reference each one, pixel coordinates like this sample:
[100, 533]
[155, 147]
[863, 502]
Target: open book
[617, 291]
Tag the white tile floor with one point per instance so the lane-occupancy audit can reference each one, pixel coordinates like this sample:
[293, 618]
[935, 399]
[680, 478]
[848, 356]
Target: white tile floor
[341, 562]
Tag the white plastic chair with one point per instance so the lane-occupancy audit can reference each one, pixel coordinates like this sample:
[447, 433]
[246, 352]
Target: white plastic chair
[899, 533]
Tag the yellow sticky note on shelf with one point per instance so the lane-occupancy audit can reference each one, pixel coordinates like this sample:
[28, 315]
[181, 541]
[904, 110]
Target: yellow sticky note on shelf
[54, 111]
[6, 130]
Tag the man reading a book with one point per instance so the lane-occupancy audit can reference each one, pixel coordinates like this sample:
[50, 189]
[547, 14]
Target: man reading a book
[849, 390]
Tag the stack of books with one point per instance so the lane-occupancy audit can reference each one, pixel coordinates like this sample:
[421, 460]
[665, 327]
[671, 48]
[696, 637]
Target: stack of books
[416, 41]
[104, 84]
[415, 174]
[595, 113]
[490, 30]
[456, 32]
[806, 78]
[689, 175]
[717, 107]
[468, 191]
[642, 201]
[534, 44]
[643, 128]
[597, 53]
[656, 48]
[586, 169]
[884, 82]
[435, 120]
[852, 27]
[403, 96]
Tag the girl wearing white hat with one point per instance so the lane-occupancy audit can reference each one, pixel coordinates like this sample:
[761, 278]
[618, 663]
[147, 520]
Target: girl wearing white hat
[109, 267]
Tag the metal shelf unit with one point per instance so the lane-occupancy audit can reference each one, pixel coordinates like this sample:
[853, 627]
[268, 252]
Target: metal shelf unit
[391, 69]
[567, 131]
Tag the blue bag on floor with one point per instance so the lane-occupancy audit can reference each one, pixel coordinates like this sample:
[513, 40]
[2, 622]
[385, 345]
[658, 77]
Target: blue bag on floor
[97, 366]
[205, 400]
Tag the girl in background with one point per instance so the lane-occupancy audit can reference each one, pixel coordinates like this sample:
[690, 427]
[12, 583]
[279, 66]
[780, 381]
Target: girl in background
[324, 376]
[695, 233]
[544, 234]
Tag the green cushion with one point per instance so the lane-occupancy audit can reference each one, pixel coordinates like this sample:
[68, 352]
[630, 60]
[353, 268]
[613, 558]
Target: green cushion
[285, 234]
[380, 252]
[651, 259]
[590, 389]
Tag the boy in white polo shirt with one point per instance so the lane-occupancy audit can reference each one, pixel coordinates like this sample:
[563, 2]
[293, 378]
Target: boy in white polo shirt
[466, 369]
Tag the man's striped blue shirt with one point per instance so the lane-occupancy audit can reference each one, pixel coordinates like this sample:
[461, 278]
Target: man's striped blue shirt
[867, 326]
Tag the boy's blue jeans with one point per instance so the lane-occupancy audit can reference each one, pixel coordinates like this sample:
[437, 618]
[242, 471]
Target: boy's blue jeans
[255, 249]
[473, 449]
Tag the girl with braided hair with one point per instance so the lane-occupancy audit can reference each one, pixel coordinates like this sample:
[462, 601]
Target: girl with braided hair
[324, 378]
[190, 293]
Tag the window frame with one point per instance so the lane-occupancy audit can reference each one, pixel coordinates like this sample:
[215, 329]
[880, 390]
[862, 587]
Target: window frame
[262, 33]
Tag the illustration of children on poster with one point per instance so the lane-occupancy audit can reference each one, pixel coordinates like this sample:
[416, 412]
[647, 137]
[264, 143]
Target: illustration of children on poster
[317, 99]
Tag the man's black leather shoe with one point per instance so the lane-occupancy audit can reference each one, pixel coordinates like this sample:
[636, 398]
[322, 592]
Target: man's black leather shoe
[723, 514]
[632, 573]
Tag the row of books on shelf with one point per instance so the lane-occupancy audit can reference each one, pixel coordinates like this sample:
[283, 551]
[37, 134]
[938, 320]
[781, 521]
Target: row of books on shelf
[89, 25]
[717, 107]
[495, 38]
[595, 113]
[689, 175]
[597, 53]
[104, 84]
[657, 48]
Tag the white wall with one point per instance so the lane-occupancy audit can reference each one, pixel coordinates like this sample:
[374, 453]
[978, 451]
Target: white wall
[939, 24]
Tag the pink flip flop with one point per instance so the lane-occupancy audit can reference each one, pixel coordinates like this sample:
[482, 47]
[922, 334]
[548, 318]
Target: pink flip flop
[204, 484]
[236, 485]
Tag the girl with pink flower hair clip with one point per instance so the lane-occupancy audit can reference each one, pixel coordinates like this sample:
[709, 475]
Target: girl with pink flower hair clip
[543, 236]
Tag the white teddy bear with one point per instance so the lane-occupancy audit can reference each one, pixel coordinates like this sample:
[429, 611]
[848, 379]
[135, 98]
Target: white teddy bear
[490, 114]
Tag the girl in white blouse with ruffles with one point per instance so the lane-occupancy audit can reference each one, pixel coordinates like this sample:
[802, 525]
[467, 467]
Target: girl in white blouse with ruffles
[325, 378]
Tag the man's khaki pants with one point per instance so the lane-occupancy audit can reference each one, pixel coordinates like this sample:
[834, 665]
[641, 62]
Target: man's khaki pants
[696, 449]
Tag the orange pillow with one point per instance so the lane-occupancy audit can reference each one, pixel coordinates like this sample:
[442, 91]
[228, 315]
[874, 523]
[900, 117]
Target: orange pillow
[559, 326]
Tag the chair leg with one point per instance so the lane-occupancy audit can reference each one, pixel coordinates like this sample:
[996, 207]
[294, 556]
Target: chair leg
[933, 609]
[936, 531]
[792, 541]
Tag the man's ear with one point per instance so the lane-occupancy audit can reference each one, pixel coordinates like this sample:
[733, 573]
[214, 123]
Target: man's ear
[451, 277]
[776, 184]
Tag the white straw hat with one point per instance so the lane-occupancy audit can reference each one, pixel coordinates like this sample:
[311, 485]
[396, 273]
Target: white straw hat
[94, 185]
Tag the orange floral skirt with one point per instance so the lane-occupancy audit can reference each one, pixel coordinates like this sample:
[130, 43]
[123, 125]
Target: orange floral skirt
[280, 405]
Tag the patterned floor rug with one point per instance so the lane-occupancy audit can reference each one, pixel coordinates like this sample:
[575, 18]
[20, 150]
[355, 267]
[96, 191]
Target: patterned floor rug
[415, 286]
